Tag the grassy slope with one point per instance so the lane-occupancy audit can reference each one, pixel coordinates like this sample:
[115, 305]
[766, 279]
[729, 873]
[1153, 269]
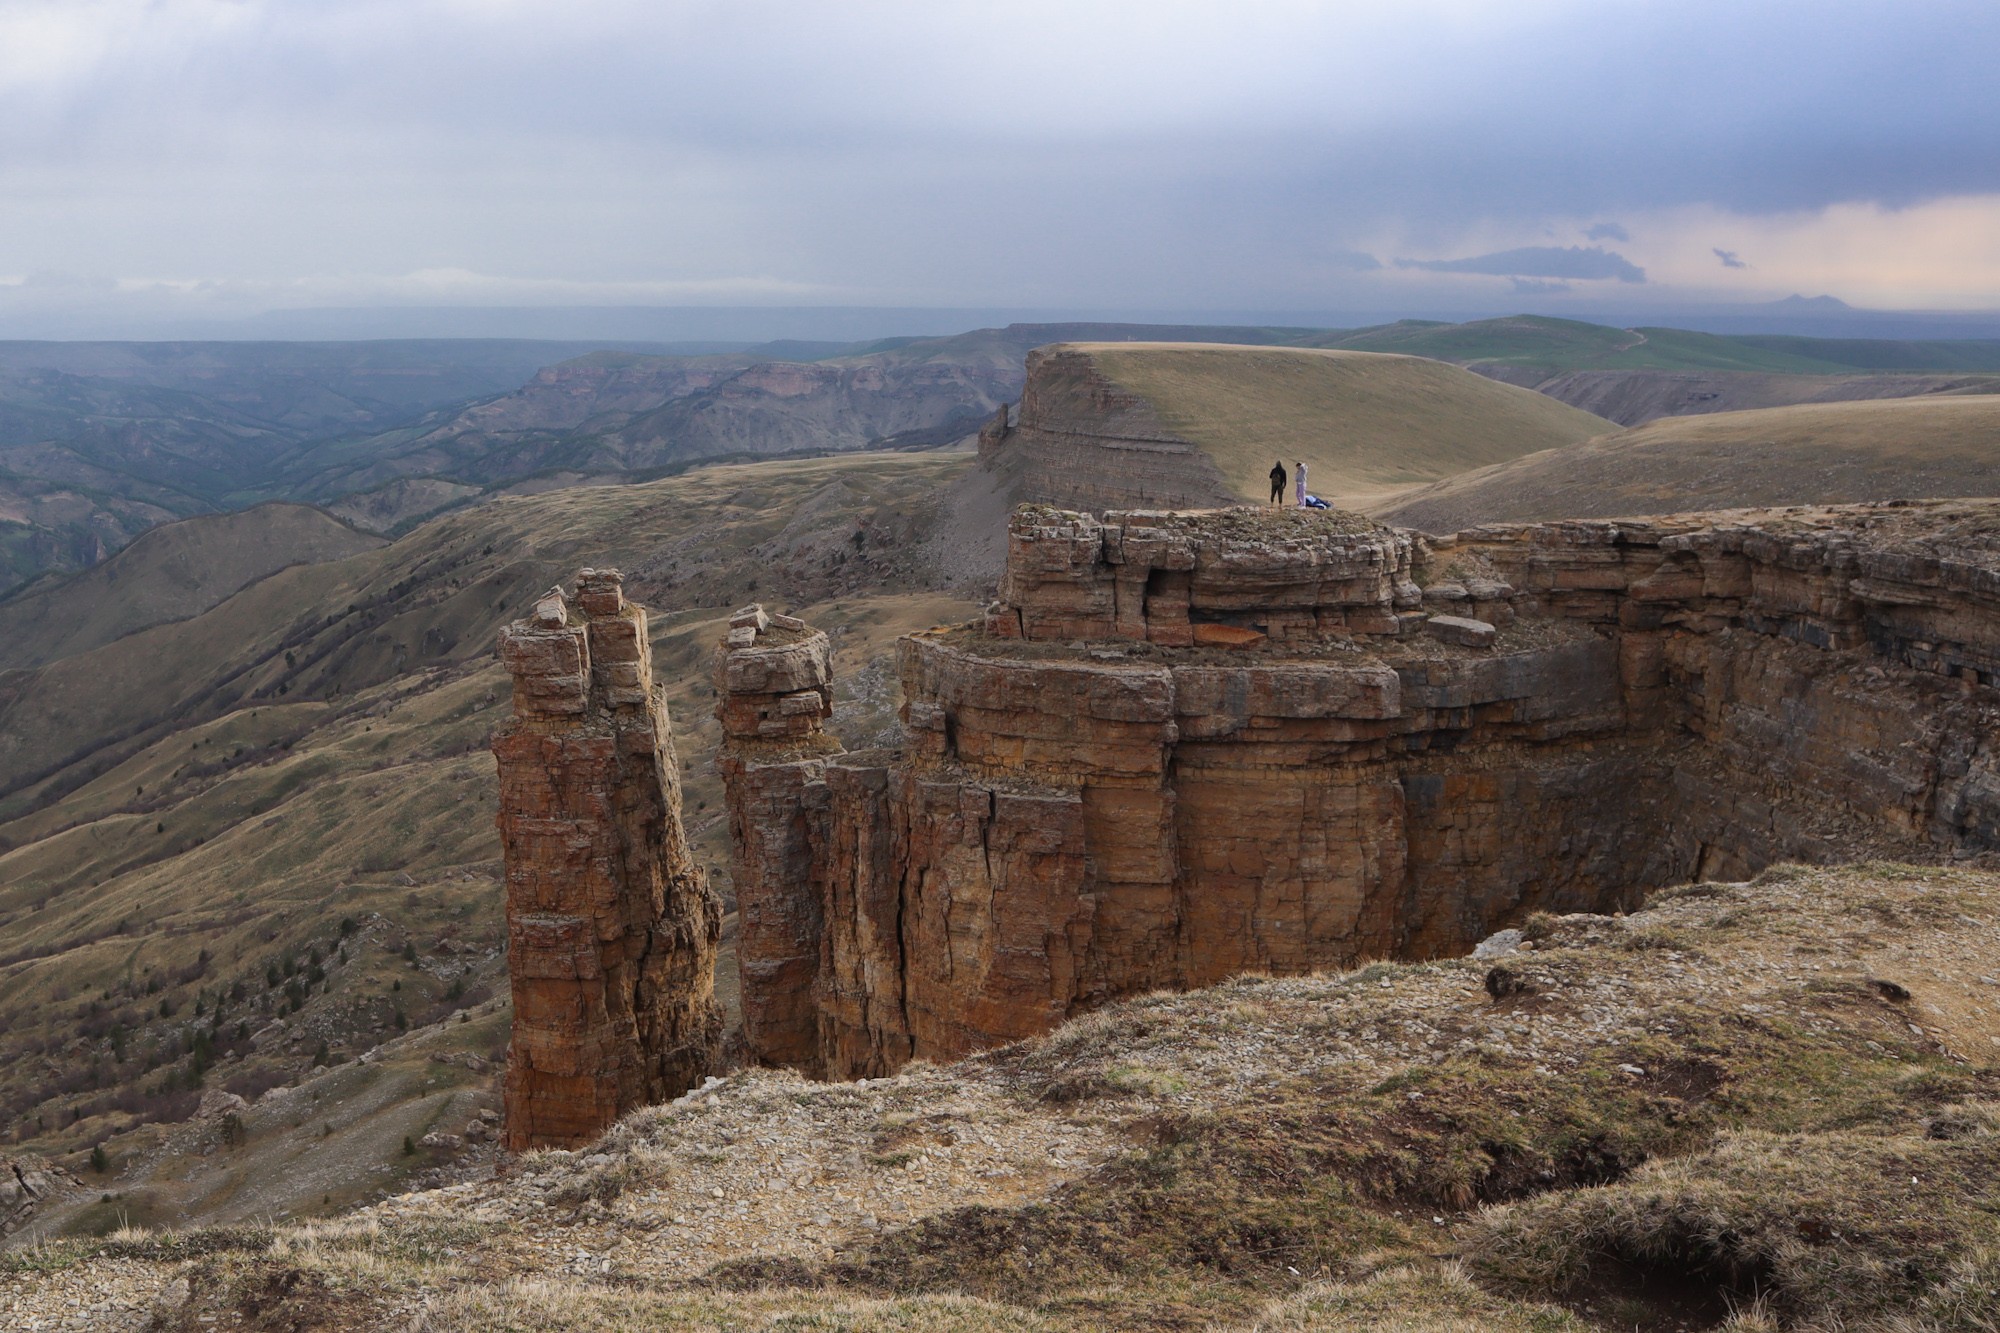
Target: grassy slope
[169, 573]
[248, 824]
[1815, 453]
[1362, 421]
[1748, 1105]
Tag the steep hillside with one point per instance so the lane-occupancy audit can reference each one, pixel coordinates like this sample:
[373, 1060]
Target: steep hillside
[169, 573]
[1818, 454]
[241, 845]
[1747, 1107]
[1178, 424]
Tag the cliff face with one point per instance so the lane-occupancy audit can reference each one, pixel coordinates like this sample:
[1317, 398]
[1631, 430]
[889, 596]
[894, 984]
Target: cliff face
[1180, 748]
[611, 927]
[1083, 441]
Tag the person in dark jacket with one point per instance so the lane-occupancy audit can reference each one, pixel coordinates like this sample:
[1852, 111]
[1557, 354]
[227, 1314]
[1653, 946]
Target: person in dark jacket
[1277, 483]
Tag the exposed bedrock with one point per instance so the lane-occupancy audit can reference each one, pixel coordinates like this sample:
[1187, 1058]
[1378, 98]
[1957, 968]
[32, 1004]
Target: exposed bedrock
[1182, 747]
[1084, 440]
[611, 927]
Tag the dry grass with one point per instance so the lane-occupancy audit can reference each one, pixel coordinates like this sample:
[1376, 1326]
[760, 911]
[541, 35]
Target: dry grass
[1822, 453]
[1827, 1230]
[1717, 1129]
[1363, 421]
[365, 793]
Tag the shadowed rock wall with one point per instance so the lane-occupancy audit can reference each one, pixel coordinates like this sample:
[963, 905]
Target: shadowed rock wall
[611, 927]
[1083, 440]
[1182, 747]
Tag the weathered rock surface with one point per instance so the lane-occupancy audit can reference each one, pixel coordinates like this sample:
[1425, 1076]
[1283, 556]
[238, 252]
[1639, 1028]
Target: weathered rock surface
[1095, 803]
[612, 928]
[1084, 440]
[27, 1185]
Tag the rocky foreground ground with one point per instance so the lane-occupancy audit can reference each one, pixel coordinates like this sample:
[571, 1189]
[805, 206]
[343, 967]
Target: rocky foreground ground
[1749, 1106]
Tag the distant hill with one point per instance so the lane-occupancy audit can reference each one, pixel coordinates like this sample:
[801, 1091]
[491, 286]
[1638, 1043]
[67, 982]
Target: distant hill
[1545, 343]
[174, 571]
[1179, 424]
[618, 415]
[1632, 376]
[1830, 453]
[101, 440]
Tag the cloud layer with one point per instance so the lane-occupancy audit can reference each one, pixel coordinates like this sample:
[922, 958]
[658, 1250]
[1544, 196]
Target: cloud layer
[1183, 154]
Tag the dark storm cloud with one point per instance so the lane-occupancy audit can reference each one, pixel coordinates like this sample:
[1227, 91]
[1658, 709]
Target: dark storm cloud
[1539, 261]
[1729, 258]
[877, 151]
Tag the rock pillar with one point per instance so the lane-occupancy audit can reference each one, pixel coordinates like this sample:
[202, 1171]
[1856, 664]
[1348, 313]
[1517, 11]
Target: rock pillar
[611, 927]
[774, 688]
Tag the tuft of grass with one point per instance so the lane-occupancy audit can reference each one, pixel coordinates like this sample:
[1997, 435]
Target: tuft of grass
[1830, 1229]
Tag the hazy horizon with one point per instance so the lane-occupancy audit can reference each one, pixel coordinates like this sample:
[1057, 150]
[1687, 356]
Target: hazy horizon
[173, 166]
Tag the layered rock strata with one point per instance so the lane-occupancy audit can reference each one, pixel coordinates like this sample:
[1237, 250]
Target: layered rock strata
[611, 927]
[1084, 440]
[1096, 800]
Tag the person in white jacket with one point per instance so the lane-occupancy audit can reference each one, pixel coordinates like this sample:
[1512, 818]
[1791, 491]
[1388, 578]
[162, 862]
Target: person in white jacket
[1302, 483]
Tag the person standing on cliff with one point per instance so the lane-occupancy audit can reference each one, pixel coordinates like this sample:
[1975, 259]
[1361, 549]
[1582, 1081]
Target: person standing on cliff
[1302, 483]
[1277, 483]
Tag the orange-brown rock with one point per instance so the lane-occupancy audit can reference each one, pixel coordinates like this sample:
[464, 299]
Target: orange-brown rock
[1094, 801]
[611, 927]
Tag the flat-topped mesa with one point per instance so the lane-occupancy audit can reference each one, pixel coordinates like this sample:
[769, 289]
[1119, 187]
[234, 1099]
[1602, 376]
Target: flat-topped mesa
[611, 927]
[1218, 577]
[1097, 801]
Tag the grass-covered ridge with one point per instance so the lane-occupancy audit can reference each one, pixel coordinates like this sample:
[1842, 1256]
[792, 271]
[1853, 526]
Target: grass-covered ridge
[1361, 421]
[1543, 342]
[1753, 1106]
[1816, 453]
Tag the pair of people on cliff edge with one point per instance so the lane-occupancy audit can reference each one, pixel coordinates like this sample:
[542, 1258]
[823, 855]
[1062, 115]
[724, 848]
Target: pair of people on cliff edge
[1304, 500]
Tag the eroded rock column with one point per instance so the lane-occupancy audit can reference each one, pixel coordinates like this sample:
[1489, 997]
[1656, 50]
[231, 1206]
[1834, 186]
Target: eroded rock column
[773, 680]
[611, 926]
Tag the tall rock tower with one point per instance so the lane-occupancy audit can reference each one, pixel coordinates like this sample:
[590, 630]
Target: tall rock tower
[611, 927]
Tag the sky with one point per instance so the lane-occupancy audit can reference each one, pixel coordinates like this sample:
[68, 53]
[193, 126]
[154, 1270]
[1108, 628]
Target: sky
[221, 157]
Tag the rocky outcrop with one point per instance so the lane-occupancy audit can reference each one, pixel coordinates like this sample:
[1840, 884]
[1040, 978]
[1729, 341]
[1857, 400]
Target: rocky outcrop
[1184, 747]
[1084, 441]
[611, 927]
[28, 1187]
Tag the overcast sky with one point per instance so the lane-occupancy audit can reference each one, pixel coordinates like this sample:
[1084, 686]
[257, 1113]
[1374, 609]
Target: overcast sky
[233, 155]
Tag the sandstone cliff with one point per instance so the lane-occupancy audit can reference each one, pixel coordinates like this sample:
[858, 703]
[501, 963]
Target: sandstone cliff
[1183, 747]
[611, 926]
